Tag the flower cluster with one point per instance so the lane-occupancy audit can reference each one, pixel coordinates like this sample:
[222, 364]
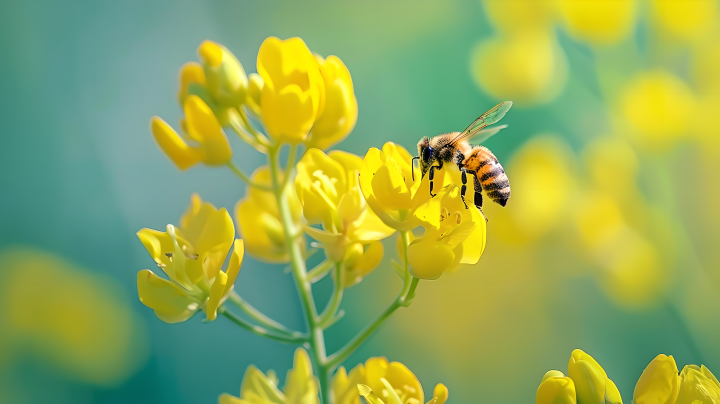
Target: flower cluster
[585, 383]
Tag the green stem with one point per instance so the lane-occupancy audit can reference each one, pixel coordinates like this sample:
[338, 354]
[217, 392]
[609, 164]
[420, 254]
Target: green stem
[320, 271]
[299, 271]
[290, 164]
[245, 177]
[402, 300]
[328, 315]
[256, 329]
[264, 320]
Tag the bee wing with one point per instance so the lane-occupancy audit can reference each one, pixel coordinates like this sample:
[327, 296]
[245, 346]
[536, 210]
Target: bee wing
[493, 116]
[482, 135]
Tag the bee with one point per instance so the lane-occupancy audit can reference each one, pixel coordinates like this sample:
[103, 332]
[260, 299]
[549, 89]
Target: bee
[480, 162]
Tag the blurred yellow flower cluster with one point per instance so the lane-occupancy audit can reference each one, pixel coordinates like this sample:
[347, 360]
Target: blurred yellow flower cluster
[192, 256]
[72, 319]
[586, 383]
[378, 381]
[660, 383]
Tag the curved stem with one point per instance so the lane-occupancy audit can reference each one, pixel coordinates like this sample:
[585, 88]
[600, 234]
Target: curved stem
[290, 164]
[245, 177]
[326, 318]
[261, 318]
[256, 329]
[299, 271]
[403, 299]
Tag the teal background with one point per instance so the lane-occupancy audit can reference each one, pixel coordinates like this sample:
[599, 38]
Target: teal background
[80, 174]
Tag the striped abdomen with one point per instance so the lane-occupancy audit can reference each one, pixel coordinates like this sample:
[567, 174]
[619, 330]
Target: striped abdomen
[490, 173]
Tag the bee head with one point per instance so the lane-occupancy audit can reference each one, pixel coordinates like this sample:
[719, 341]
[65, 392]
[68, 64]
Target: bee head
[424, 149]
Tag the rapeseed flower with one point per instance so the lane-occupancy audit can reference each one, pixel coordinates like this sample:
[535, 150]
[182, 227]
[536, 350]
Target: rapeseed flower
[203, 139]
[598, 22]
[259, 222]
[328, 188]
[660, 383]
[382, 382]
[192, 256]
[586, 383]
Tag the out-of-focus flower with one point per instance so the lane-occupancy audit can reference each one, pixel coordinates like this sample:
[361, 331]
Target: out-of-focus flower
[203, 140]
[192, 257]
[225, 78]
[382, 382]
[301, 387]
[659, 382]
[542, 176]
[341, 109]
[597, 21]
[75, 320]
[555, 388]
[458, 237]
[387, 184]
[660, 106]
[293, 94]
[686, 20]
[586, 383]
[527, 68]
[259, 223]
[254, 97]
[520, 16]
[328, 189]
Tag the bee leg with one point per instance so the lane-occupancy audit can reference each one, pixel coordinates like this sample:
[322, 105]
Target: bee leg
[463, 189]
[478, 195]
[432, 176]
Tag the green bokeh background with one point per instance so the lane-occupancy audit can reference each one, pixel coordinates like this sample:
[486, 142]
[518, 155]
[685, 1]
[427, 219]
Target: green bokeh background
[80, 174]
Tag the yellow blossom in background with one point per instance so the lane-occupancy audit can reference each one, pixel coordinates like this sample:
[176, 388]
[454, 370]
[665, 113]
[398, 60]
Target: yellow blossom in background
[225, 78]
[293, 94]
[660, 107]
[341, 109]
[192, 256]
[387, 184]
[586, 383]
[457, 238]
[75, 320]
[301, 387]
[598, 22]
[254, 97]
[526, 68]
[328, 189]
[203, 138]
[520, 16]
[659, 382]
[698, 385]
[259, 223]
[382, 382]
[686, 20]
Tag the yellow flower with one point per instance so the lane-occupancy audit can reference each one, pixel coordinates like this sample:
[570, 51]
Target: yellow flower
[255, 87]
[259, 220]
[660, 106]
[225, 77]
[341, 109]
[293, 94]
[204, 138]
[698, 385]
[687, 20]
[520, 16]
[555, 388]
[67, 318]
[192, 257]
[377, 378]
[328, 189]
[659, 382]
[457, 238]
[387, 184]
[592, 385]
[597, 21]
[527, 67]
[301, 387]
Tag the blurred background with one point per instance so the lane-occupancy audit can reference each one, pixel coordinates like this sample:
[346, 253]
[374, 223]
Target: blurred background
[609, 243]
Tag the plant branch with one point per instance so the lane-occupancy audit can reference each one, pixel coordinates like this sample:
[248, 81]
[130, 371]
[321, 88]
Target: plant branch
[244, 177]
[319, 272]
[264, 320]
[328, 316]
[256, 329]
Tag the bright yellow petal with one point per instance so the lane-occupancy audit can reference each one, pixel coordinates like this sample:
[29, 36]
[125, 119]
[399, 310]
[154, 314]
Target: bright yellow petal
[390, 189]
[258, 388]
[588, 376]
[159, 244]
[236, 260]
[216, 293]
[369, 395]
[190, 73]
[351, 162]
[214, 242]
[204, 127]
[300, 385]
[173, 146]
[287, 113]
[340, 113]
[193, 220]
[170, 302]
[695, 387]
[612, 394]
[556, 390]
[659, 382]
[395, 373]
[440, 394]
[226, 398]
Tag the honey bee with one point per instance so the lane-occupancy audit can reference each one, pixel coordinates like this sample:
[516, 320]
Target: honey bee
[488, 174]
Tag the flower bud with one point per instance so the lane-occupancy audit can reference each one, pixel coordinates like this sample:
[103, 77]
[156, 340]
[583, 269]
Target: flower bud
[255, 86]
[698, 385]
[226, 78]
[588, 376]
[341, 110]
[556, 390]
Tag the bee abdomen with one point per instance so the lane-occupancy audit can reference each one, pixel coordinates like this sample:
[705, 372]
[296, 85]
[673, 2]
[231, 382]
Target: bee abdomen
[495, 182]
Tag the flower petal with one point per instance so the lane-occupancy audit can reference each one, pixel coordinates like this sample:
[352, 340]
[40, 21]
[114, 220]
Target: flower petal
[216, 294]
[171, 303]
[173, 146]
[429, 259]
